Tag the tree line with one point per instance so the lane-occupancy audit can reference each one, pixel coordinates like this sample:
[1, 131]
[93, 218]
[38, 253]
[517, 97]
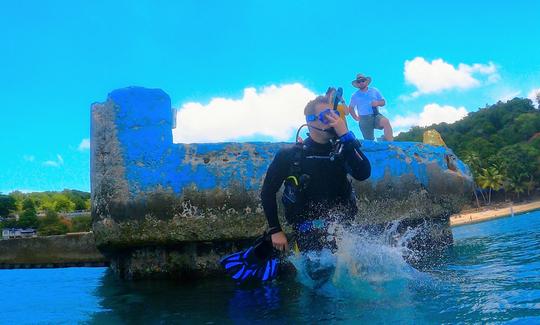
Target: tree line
[501, 145]
[41, 211]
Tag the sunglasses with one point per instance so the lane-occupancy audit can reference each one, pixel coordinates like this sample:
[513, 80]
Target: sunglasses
[361, 80]
[321, 116]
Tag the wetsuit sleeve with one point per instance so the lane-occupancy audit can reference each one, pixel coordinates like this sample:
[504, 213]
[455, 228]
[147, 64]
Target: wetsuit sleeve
[356, 162]
[275, 175]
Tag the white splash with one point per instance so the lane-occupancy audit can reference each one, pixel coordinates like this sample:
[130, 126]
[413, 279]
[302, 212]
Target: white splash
[365, 264]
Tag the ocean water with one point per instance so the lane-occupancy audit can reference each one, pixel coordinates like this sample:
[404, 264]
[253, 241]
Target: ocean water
[490, 275]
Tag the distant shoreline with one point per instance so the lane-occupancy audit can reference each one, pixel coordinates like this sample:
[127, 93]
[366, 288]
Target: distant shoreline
[74, 249]
[495, 212]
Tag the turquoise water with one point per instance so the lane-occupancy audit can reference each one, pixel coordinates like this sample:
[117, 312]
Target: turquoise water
[491, 275]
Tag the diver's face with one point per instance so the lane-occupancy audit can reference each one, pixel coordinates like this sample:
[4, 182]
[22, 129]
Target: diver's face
[317, 126]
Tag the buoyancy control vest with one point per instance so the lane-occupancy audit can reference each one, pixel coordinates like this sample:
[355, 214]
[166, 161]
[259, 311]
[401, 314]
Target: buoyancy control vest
[295, 196]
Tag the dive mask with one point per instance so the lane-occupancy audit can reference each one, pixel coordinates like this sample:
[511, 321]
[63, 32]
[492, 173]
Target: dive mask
[321, 116]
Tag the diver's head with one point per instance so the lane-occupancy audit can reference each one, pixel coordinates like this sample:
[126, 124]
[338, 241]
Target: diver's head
[316, 113]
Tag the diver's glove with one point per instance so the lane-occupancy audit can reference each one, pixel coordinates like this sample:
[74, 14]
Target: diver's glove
[347, 137]
[343, 144]
[350, 141]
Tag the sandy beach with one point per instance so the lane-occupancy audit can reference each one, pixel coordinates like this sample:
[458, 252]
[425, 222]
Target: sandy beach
[487, 214]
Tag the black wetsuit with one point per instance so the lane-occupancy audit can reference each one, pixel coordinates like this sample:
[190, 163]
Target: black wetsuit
[328, 192]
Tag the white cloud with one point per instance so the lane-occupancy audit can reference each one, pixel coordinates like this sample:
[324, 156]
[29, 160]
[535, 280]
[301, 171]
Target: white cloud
[274, 111]
[432, 114]
[438, 75]
[55, 163]
[84, 145]
[532, 96]
[508, 95]
[7, 191]
[405, 121]
[29, 157]
[51, 163]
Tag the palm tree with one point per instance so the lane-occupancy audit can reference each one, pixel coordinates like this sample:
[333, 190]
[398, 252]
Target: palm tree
[472, 159]
[516, 184]
[530, 184]
[490, 178]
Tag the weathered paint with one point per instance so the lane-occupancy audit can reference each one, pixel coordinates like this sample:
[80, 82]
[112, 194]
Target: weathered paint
[143, 121]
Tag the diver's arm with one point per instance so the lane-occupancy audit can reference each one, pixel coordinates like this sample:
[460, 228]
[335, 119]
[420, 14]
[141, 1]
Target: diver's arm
[276, 173]
[356, 162]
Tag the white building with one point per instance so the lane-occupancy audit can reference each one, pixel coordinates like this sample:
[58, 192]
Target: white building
[9, 233]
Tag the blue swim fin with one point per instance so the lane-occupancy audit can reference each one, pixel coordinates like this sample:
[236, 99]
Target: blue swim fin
[258, 262]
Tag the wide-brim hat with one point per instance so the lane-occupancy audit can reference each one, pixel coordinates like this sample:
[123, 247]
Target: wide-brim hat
[360, 76]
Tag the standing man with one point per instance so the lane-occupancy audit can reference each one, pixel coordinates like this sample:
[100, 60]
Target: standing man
[364, 108]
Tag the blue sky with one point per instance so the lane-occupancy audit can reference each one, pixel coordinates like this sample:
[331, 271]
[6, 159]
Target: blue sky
[428, 60]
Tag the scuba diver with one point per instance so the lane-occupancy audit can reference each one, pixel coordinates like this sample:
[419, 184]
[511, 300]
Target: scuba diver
[316, 191]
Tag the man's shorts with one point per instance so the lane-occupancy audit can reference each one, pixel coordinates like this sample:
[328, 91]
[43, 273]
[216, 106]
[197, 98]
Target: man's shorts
[368, 123]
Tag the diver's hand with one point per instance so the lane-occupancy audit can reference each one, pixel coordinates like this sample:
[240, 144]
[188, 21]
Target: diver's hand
[337, 123]
[279, 241]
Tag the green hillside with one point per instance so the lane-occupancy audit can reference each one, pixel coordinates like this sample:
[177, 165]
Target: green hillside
[44, 211]
[501, 144]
